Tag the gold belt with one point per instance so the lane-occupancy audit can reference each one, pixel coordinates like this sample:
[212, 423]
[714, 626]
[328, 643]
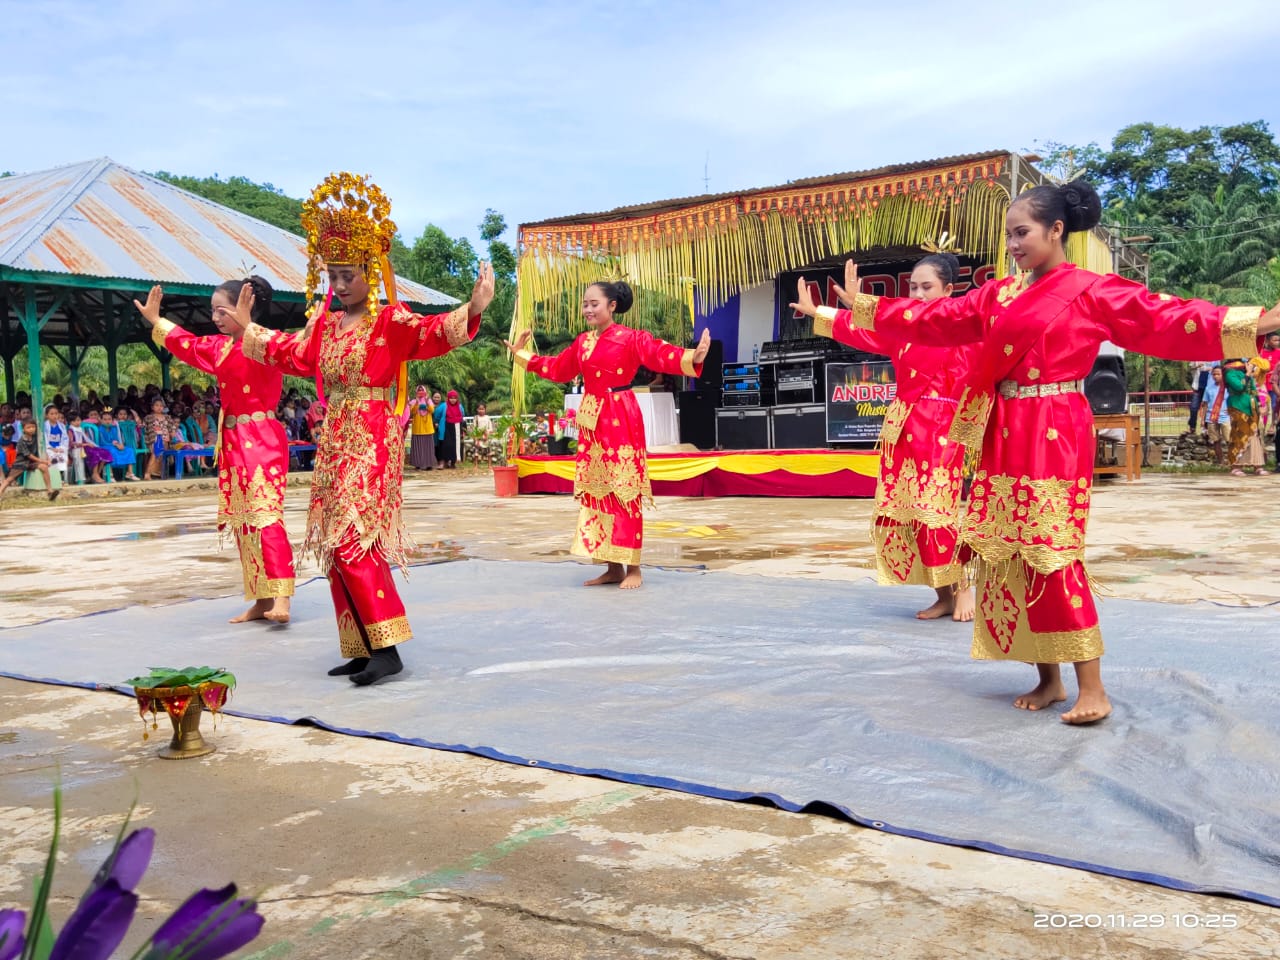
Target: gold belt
[360, 394]
[1012, 390]
[239, 419]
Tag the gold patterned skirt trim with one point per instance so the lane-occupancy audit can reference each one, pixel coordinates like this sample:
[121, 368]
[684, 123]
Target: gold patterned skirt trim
[387, 633]
[1067, 646]
[898, 559]
[271, 589]
[606, 553]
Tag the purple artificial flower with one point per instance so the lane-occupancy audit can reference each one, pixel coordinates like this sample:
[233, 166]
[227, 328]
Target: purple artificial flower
[211, 924]
[11, 940]
[98, 925]
[128, 862]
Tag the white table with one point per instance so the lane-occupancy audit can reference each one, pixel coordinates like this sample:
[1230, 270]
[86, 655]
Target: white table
[661, 426]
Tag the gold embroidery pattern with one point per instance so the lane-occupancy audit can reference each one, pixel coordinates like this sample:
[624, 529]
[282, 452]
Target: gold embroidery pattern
[894, 419]
[908, 495]
[603, 473]
[999, 610]
[594, 539]
[686, 364]
[1012, 288]
[455, 326]
[1001, 631]
[254, 342]
[824, 323]
[523, 358]
[588, 346]
[1240, 332]
[356, 487]
[250, 500]
[350, 643]
[864, 311]
[1042, 521]
[589, 411]
[970, 423]
[898, 550]
[894, 552]
[252, 566]
[387, 633]
[161, 330]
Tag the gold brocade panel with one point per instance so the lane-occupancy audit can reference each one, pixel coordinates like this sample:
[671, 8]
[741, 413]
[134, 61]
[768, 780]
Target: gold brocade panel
[1002, 626]
[916, 495]
[602, 472]
[1041, 521]
[250, 500]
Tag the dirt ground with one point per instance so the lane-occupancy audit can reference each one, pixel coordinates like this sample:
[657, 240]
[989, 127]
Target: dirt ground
[359, 848]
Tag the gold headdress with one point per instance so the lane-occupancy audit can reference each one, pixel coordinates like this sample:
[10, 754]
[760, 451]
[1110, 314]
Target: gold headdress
[348, 220]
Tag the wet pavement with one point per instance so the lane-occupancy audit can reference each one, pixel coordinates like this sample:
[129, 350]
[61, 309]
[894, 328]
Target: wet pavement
[360, 848]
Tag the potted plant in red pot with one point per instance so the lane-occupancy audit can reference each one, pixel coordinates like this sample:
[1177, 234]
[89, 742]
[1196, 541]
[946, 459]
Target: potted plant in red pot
[515, 434]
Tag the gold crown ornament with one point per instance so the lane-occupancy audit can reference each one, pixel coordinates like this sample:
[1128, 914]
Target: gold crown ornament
[348, 220]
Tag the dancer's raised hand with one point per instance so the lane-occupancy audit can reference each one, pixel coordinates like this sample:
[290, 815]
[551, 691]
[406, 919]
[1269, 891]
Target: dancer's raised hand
[704, 344]
[804, 302]
[243, 315]
[522, 341]
[850, 288]
[482, 292]
[151, 309]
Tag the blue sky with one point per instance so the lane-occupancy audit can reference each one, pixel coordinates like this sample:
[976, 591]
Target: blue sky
[541, 109]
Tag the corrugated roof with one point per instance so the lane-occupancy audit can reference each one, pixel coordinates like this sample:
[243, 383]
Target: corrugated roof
[101, 219]
[663, 206]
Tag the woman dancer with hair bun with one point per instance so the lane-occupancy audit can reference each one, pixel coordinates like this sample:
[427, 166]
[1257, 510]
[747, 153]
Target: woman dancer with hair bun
[915, 526]
[611, 479]
[1039, 332]
[251, 448]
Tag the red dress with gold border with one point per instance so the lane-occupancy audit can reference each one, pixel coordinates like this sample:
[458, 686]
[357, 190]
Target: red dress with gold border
[354, 525]
[1029, 504]
[611, 478]
[915, 526]
[253, 457]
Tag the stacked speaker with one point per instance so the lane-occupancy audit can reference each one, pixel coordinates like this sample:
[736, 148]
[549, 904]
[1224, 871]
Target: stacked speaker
[698, 406]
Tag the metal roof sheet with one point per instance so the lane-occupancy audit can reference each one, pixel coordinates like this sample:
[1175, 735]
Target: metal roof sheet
[101, 219]
[663, 206]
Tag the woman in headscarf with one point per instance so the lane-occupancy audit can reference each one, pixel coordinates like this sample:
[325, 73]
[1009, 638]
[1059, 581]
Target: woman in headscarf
[454, 416]
[422, 430]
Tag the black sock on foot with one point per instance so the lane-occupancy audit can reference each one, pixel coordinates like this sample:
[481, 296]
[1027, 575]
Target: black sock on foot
[351, 666]
[383, 663]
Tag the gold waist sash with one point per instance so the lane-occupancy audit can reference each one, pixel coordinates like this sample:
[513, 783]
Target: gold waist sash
[238, 419]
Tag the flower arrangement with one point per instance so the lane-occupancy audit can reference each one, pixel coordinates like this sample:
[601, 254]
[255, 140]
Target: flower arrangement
[566, 421]
[209, 925]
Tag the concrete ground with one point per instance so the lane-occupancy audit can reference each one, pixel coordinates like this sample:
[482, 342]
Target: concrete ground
[359, 848]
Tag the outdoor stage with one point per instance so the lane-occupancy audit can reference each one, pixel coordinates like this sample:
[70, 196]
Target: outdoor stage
[730, 473]
[825, 696]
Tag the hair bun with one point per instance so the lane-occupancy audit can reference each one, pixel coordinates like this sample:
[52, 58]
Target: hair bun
[1083, 205]
[622, 296]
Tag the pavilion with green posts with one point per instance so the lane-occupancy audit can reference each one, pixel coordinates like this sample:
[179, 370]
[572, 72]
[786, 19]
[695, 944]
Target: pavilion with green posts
[79, 243]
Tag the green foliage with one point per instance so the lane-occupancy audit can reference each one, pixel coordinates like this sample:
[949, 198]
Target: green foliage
[261, 200]
[165, 677]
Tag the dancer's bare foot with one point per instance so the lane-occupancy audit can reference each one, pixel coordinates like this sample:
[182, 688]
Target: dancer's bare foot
[614, 574]
[942, 607]
[632, 579]
[1090, 707]
[963, 612]
[1043, 695]
[279, 612]
[257, 612]
[1048, 690]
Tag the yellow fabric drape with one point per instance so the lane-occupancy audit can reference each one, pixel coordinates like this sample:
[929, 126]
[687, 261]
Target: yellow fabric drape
[685, 468]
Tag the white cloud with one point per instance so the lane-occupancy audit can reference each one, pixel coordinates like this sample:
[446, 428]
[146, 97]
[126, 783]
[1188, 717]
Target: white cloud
[548, 108]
